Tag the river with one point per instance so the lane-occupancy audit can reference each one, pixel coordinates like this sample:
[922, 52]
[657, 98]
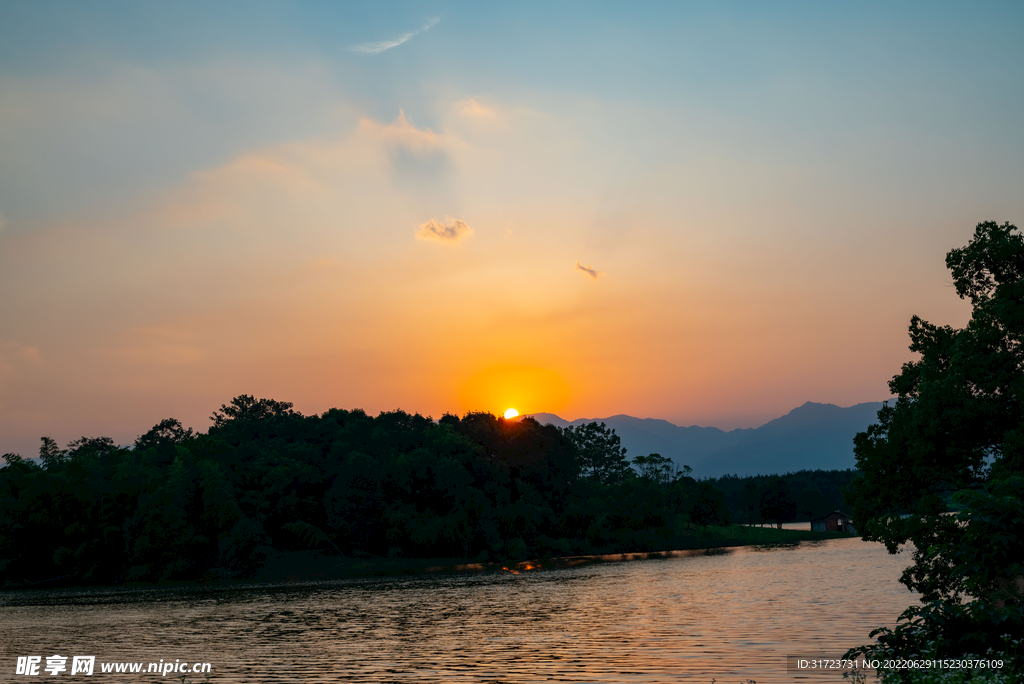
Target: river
[732, 616]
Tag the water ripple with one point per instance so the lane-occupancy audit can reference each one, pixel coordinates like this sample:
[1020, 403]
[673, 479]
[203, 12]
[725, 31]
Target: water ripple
[732, 616]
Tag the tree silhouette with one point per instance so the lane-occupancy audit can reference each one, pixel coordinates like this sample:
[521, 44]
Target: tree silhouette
[709, 508]
[778, 502]
[601, 455]
[811, 503]
[955, 434]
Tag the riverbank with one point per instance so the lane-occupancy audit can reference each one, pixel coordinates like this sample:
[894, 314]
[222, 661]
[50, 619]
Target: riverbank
[301, 566]
[319, 565]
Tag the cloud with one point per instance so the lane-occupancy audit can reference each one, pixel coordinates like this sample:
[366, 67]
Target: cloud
[589, 270]
[419, 158]
[473, 109]
[381, 46]
[452, 230]
[401, 133]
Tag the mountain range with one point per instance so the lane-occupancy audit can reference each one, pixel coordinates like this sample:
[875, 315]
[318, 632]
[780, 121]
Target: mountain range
[810, 437]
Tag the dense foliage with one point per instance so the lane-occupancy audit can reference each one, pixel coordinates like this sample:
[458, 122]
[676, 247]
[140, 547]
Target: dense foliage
[265, 478]
[943, 469]
[773, 499]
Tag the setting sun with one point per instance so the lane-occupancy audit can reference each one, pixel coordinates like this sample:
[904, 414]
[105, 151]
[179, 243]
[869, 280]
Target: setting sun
[535, 389]
[511, 413]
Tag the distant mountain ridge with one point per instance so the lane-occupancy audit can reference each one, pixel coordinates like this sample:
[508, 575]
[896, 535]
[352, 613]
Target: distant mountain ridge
[810, 437]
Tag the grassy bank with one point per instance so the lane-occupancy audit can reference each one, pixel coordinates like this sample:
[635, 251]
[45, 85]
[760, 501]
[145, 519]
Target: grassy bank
[318, 565]
[311, 565]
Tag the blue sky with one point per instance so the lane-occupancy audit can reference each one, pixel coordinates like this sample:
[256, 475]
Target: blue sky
[806, 79]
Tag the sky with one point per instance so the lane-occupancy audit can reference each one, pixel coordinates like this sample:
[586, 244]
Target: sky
[709, 213]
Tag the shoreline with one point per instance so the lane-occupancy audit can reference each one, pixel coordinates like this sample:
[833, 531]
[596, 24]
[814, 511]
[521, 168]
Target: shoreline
[288, 567]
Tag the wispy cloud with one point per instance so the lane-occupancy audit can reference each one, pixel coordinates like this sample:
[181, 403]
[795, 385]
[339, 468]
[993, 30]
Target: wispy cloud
[381, 46]
[452, 230]
[474, 109]
[589, 270]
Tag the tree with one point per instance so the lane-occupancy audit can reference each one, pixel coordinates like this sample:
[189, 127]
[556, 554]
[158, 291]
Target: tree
[750, 501]
[709, 508]
[811, 503]
[954, 438]
[601, 454]
[656, 468]
[162, 439]
[356, 502]
[50, 454]
[248, 408]
[778, 502]
[167, 431]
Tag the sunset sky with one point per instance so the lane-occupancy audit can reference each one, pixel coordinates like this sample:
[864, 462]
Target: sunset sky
[703, 212]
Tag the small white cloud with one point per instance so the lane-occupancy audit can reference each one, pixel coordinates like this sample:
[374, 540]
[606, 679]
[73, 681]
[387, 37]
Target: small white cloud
[589, 270]
[380, 46]
[451, 230]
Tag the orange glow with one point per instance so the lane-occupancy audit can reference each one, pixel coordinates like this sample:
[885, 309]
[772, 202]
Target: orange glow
[524, 566]
[326, 317]
[493, 389]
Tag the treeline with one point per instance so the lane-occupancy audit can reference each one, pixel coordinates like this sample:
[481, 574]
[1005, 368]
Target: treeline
[180, 505]
[799, 496]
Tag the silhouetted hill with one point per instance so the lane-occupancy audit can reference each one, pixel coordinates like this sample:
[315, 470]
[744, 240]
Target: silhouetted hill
[641, 436]
[810, 437]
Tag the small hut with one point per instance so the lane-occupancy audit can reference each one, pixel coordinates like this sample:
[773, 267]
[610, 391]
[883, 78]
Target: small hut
[837, 521]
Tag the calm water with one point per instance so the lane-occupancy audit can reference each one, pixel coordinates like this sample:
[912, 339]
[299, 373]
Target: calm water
[733, 616]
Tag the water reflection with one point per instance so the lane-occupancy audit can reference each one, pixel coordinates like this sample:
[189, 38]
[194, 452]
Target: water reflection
[732, 616]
